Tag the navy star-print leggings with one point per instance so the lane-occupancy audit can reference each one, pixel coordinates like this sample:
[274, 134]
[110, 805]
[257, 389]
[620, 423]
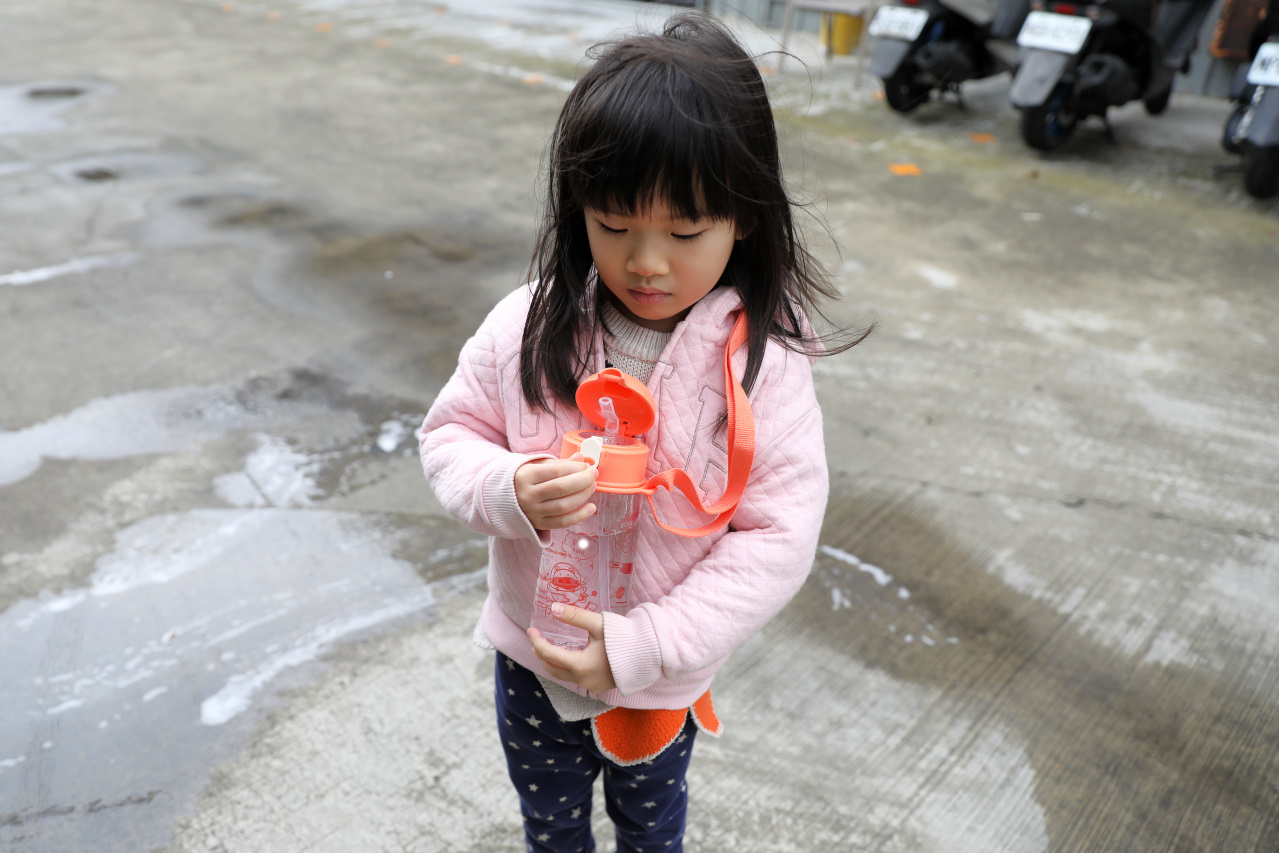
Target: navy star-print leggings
[553, 765]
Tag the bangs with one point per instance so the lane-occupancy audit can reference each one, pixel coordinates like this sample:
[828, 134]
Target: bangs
[652, 136]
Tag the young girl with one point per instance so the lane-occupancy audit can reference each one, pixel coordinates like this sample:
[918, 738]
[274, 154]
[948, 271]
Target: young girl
[666, 219]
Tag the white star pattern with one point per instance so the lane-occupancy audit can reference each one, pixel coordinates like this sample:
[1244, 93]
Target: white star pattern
[640, 778]
[576, 813]
[510, 692]
[510, 664]
[650, 805]
[533, 787]
[563, 799]
[550, 761]
[537, 743]
[533, 721]
[513, 744]
[544, 837]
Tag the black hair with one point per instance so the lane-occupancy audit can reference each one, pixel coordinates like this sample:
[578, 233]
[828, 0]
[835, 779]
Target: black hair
[679, 117]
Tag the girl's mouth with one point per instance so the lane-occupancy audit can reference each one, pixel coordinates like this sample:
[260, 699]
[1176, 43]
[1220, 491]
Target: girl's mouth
[647, 297]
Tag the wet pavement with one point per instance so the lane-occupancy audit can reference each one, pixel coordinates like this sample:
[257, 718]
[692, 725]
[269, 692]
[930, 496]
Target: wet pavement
[244, 242]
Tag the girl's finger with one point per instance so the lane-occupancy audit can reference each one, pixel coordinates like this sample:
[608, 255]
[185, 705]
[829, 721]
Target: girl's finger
[579, 618]
[568, 519]
[567, 503]
[552, 656]
[569, 484]
[545, 471]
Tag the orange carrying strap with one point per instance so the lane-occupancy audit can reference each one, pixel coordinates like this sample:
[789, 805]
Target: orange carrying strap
[741, 452]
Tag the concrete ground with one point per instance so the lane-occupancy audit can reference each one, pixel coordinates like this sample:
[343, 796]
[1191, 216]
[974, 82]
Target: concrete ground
[243, 243]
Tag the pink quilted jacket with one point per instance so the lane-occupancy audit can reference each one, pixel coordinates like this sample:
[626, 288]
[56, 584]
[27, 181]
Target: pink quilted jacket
[695, 600]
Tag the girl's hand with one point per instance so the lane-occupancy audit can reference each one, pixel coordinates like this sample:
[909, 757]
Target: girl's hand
[554, 492]
[586, 668]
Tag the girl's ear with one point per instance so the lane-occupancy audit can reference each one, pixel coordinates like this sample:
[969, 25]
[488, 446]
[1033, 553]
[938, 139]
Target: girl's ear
[744, 230]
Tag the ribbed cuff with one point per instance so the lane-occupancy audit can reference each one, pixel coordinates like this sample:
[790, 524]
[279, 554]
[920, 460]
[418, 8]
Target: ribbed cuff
[500, 506]
[633, 652]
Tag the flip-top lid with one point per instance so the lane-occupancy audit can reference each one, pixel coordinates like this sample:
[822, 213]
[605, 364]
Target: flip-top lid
[631, 401]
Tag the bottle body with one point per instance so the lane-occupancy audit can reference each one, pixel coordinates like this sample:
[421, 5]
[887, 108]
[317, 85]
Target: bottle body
[588, 565]
[620, 520]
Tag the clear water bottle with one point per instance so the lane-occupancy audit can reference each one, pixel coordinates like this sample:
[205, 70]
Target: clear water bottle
[590, 565]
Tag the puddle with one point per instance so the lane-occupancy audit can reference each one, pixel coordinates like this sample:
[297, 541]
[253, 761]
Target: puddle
[37, 107]
[145, 422]
[186, 630]
[129, 165]
[75, 266]
[194, 624]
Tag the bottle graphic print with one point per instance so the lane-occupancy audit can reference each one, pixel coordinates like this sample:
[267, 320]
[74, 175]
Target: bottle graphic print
[569, 574]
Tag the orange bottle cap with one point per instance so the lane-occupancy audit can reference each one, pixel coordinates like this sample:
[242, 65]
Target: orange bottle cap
[631, 401]
[621, 466]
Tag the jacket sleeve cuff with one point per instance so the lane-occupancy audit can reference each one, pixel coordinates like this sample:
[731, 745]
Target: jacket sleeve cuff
[500, 506]
[633, 652]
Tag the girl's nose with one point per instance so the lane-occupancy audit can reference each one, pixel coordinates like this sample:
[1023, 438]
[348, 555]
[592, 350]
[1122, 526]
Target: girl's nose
[647, 261]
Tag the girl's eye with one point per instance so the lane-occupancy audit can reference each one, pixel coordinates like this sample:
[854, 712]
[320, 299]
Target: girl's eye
[687, 237]
[608, 230]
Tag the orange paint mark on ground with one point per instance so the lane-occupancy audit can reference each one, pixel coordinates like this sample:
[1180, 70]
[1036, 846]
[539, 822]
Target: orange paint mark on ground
[532, 79]
[879, 96]
[905, 169]
[381, 42]
[501, 23]
[453, 60]
[766, 70]
[982, 138]
[441, 10]
[324, 27]
[228, 7]
[274, 16]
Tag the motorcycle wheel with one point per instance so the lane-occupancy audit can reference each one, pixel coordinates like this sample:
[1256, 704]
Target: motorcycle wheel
[902, 91]
[1232, 127]
[1261, 171]
[1156, 104]
[1048, 125]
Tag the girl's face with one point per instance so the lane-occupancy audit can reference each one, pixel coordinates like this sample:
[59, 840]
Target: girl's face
[656, 264]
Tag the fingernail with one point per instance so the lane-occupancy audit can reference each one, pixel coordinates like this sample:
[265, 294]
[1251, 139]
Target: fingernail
[557, 609]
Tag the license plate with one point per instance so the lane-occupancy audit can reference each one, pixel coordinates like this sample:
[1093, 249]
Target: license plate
[1050, 31]
[1265, 68]
[898, 22]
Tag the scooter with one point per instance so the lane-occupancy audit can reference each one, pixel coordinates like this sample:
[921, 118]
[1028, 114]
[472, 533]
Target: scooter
[1079, 59]
[1252, 129]
[923, 46]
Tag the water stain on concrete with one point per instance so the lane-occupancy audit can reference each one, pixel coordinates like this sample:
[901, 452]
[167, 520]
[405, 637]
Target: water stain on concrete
[1127, 755]
[276, 215]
